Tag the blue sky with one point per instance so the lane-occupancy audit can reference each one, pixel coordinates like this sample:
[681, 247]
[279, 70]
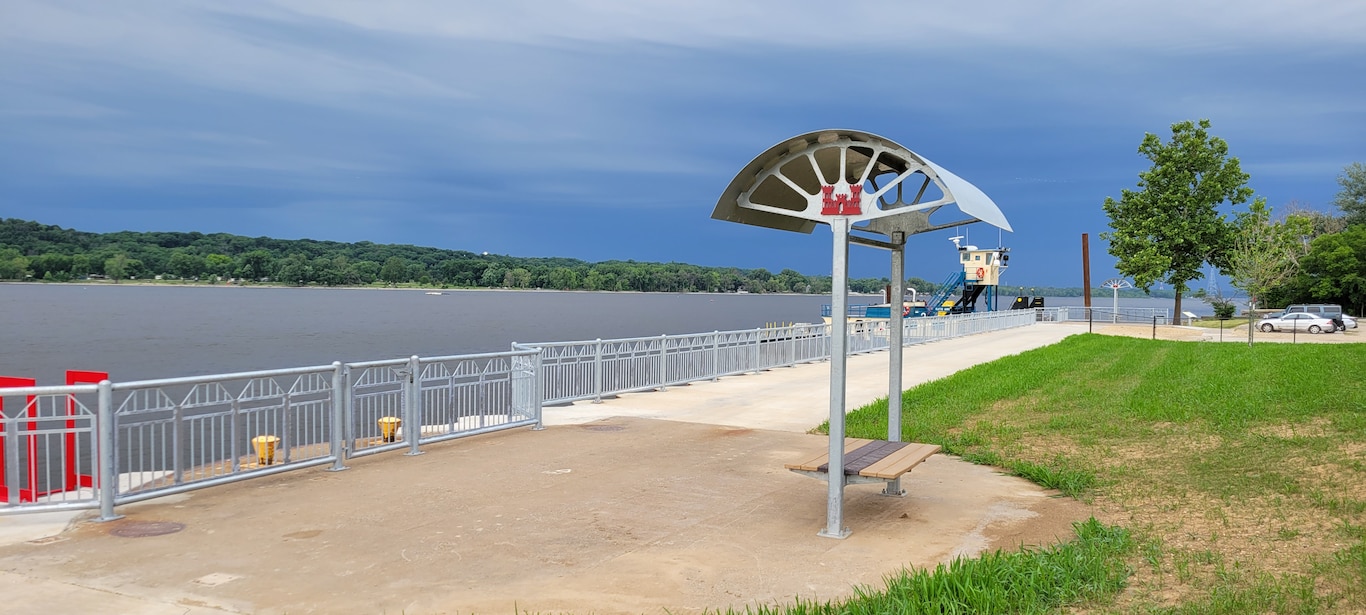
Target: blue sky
[605, 129]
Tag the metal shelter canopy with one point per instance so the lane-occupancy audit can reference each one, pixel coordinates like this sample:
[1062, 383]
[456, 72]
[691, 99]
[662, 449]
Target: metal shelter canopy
[856, 182]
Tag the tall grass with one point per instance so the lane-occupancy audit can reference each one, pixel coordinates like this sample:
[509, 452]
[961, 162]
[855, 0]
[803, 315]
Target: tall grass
[1087, 569]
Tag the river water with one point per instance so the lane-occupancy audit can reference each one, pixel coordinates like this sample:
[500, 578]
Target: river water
[144, 332]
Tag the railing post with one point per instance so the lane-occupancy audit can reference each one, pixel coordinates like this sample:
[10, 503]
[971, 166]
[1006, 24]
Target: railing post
[412, 408]
[106, 469]
[758, 334]
[339, 394]
[715, 356]
[537, 394]
[663, 361]
[597, 372]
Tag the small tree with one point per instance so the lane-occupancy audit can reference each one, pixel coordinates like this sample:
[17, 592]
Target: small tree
[116, 268]
[1265, 254]
[1352, 198]
[394, 271]
[1171, 227]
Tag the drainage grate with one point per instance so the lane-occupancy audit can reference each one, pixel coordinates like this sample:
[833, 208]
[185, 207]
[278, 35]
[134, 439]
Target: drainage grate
[604, 427]
[142, 529]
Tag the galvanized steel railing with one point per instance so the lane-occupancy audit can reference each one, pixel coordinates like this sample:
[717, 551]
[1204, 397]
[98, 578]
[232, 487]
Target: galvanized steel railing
[1077, 313]
[573, 371]
[160, 437]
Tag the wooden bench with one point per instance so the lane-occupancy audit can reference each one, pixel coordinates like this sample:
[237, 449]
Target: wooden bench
[869, 461]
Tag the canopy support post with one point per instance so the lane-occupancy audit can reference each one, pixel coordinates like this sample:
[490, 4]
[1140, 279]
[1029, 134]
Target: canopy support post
[839, 359]
[896, 351]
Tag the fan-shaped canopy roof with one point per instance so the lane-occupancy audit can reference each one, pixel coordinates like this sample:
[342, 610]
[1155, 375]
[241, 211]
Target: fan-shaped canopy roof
[790, 187]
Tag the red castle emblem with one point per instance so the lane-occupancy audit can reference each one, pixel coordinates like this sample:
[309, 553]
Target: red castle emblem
[842, 204]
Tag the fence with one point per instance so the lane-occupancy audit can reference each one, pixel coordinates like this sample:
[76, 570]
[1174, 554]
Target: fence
[86, 446]
[573, 371]
[1077, 313]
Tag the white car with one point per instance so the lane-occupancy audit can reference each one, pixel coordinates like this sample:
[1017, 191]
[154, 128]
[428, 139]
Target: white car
[1349, 322]
[1298, 321]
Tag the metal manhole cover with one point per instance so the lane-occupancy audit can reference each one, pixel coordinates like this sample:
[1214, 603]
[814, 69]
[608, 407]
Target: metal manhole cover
[142, 529]
[604, 427]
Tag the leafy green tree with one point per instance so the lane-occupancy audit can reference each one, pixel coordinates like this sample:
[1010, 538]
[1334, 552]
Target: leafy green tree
[296, 270]
[1334, 271]
[394, 271]
[1168, 229]
[493, 276]
[116, 267]
[1266, 253]
[517, 278]
[218, 264]
[257, 264]
[563, 278]
[13, 265]
[80, 266]
[1352, 198]
[186, 266]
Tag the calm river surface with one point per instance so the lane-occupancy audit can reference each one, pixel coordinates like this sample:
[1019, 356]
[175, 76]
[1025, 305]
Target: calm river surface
[144, 332]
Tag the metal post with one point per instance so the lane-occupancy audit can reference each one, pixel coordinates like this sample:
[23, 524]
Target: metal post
[663, 361]
[338, 418]
[537, 394]
[758, 337]
[107, 464]
[412, 409]
[893, 487]
[1154, 327]
[715, 356]
[839, 330]
[597, 372]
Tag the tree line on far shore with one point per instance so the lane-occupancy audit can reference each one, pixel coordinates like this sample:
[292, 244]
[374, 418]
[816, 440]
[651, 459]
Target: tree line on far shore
[34, 251]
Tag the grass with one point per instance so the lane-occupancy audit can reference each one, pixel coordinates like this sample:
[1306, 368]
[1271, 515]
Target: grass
[1028, 581]
[1240, 470]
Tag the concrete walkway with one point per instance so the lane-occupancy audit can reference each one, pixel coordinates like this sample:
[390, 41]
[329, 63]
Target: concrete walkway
[649, 502]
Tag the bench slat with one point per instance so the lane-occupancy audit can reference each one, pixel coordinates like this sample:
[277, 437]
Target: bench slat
[814, 464]
[900, 461]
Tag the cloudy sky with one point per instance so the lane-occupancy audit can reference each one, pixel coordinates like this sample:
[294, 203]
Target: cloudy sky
[606, 129]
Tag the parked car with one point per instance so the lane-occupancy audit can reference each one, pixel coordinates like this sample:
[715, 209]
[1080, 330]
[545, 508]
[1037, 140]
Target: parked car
[1297, 321]
[1331, 311]
[1349, 321]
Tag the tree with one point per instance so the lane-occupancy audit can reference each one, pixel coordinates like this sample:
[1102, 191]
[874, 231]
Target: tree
[257, 264]
[394, 271]
[218, 264]
[13, 265]
[1265, 254]
[1352, 198]
[185, 265]
[1171, 227]
[116, 267]
[517, 278]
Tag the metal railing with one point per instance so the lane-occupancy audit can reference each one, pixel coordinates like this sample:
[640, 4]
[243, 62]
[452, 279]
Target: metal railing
[1079, 313]
[99, 446]
[574, 371]
[88, 446]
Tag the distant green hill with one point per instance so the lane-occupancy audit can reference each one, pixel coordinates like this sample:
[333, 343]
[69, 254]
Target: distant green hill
[31, 250]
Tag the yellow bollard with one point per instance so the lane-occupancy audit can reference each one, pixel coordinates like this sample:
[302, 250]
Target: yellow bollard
[265, 449]
[388, 427]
